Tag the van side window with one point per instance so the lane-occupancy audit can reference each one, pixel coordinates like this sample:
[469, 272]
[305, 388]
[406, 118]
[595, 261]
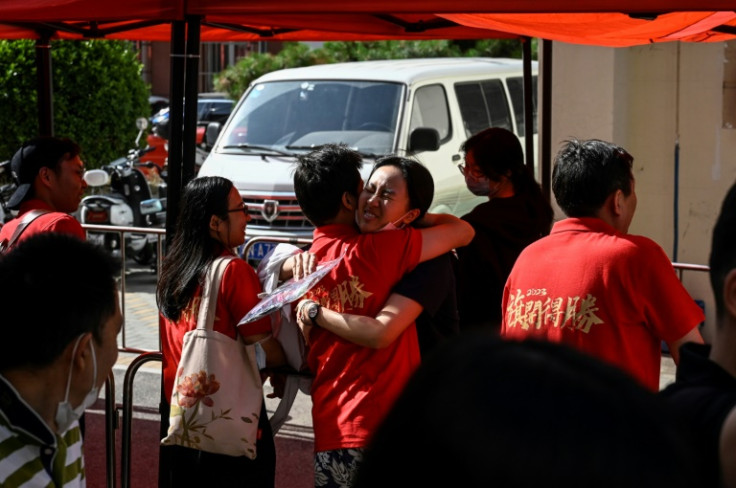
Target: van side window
[482, 105]
[430, 109]
[516, 90]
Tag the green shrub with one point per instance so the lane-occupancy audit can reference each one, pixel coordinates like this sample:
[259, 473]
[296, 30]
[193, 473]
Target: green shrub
[235, 79]
[98, 93]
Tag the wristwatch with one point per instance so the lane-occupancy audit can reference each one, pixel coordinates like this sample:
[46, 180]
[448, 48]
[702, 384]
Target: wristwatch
[312, 312]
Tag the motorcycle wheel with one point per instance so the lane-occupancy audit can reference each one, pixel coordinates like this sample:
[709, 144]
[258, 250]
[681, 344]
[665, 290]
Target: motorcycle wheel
[145, 256]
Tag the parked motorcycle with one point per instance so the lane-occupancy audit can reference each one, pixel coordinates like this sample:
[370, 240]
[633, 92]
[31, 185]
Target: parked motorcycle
[129, 203]
[7, 188]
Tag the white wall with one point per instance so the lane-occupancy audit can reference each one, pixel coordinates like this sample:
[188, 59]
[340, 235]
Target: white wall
[644, 98]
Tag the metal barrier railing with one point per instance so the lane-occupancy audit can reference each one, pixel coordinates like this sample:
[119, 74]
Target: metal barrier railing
[125, 443]
[111, 410]
[297, 241]
[682, 267]
[111, 423]
[121, 231]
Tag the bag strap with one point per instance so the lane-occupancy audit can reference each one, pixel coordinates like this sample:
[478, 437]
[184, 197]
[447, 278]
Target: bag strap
[208, 301]
[28, 217]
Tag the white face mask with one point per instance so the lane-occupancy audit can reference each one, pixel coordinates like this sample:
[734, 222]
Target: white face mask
[65, 413]
[393, 226]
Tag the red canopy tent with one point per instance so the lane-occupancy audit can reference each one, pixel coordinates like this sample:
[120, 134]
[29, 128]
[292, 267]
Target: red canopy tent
[613, 23]
[599, 22]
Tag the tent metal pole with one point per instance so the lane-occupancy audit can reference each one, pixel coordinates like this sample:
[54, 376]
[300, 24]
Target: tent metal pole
[176, 96]
[44, 87]
[191, 90]
[526, 50]
[176, 117]
[546, 119]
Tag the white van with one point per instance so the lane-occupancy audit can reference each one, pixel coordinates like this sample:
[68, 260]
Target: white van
[422, 108]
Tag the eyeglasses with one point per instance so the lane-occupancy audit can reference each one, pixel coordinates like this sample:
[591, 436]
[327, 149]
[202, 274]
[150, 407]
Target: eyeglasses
[243, 209]
[464, 170]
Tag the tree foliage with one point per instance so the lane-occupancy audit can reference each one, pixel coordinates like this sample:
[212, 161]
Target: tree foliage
[98, 93]
[235, 79]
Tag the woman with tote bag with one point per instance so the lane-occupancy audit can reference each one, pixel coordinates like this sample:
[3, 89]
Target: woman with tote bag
[211, 224]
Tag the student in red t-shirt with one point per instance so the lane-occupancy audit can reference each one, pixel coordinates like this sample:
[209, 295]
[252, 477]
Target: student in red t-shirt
[354, 386]
[211, 224]
[590, 283]
[49, 174]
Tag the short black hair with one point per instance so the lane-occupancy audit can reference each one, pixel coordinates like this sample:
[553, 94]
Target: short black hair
[45, 151]
[322, 177]
[723, 249]
[54, 288]
[587, 172]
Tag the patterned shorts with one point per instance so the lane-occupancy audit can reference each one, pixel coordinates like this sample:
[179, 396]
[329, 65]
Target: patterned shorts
[336, 469]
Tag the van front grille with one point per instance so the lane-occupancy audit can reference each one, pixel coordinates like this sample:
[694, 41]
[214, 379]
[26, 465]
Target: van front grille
[276, 213]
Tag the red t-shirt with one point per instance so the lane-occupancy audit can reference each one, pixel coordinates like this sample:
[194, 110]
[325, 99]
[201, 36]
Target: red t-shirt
[354, 386]
[238, 293]
[613, 295]
[48, 222]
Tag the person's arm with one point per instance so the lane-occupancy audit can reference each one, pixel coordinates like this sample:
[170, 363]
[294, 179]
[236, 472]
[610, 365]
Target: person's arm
[444, 233]
[397, 314]
[283, 262]
[275, 358]
[674, 346]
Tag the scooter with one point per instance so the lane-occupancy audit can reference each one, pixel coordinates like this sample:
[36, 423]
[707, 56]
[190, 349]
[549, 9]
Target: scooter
[6, 191]
[129, 203]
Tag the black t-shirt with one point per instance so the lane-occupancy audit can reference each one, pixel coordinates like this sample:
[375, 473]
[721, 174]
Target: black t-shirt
[503, 228]
[701, 397]
[432, 285]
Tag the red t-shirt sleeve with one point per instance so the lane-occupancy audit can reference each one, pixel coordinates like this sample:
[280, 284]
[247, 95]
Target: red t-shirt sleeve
[669, 308]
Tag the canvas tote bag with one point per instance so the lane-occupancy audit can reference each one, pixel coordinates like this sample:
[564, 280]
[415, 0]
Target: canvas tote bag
[217, 395]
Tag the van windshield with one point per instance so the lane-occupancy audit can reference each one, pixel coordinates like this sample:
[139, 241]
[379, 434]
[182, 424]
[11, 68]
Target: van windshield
[302, 115]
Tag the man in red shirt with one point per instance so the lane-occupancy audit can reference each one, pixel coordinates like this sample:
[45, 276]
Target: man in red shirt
[49, 174]
[592, 285]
